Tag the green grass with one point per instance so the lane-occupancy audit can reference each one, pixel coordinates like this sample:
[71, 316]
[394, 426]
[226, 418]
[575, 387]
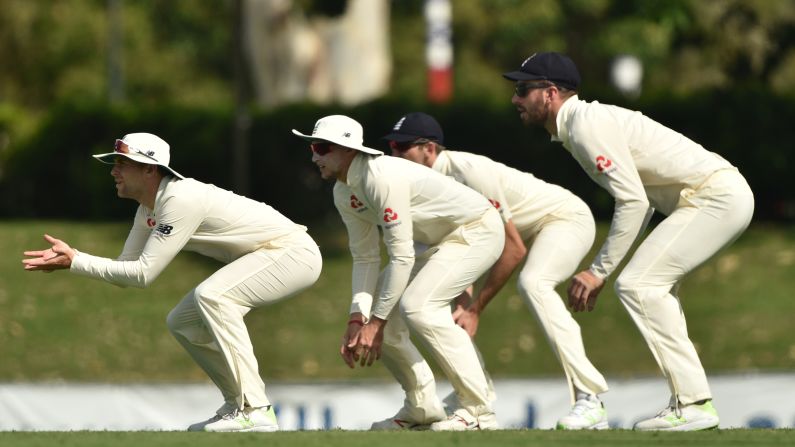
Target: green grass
[63, 327]
[503, 438]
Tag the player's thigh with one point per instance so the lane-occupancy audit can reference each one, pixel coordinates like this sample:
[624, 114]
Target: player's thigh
[264, 276]
[557, 250]
[683, 241]
[446, 274]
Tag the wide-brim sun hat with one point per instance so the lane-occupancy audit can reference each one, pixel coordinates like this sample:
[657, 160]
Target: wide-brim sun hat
[340, 130]
[142, 147]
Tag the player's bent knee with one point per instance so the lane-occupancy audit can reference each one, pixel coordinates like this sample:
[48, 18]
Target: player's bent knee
[534, 287]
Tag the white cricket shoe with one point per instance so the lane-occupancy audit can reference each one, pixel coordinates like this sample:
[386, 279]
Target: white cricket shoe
[395, 423]
[199, 426]
[676, 417]
[400, 421]
[588, 413]
[462, 420]
[261, 419]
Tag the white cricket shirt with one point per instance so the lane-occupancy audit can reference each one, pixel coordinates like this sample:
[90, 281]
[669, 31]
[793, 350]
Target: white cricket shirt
[638, 161]
[410, 202]
[188, 215]
[518, 196]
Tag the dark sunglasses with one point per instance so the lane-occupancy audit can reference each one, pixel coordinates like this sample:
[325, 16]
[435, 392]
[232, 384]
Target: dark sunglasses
[406, 145]
[523, 88]
[321, 148]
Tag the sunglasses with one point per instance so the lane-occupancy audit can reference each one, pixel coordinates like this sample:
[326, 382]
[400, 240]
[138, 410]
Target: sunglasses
[406, 145]
[123, 148]
[321, 148]
[523, 88]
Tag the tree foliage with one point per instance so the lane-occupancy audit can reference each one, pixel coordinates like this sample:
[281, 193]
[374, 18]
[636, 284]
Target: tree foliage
[180, 52]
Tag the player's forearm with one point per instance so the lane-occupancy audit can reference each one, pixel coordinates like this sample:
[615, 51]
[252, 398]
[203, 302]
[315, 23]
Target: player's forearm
[395, 279]
[629, 220]
[122, 273]
[498, 275]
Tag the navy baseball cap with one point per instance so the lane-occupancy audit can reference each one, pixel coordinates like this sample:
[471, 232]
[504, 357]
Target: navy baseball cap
[550, 66]
[416, 125]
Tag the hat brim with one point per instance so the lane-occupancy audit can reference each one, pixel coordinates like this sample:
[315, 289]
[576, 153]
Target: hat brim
[361, 148]
[400, 137]
[522, 76]
[110, 158]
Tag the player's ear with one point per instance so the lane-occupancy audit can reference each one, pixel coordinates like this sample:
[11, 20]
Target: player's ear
[151, 169]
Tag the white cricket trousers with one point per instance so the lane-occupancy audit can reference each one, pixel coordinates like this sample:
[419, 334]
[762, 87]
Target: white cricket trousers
[706, 219]
[208, 322]
[558, 246]
[440, 275]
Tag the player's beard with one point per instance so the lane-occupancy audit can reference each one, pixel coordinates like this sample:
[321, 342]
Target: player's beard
[535, 114]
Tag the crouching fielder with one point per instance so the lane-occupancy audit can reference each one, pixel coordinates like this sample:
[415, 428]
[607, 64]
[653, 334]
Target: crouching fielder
[410, 203]
[267, 257]
[644, 166]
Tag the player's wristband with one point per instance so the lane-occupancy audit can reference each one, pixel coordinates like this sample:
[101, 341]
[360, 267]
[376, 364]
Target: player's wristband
[359, 322]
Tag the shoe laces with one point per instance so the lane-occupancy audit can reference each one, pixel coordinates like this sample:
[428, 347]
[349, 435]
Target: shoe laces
[673, 407]
[581, 406]
[234, 415]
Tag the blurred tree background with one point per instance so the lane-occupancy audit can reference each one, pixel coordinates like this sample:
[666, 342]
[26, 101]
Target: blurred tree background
[225, 80]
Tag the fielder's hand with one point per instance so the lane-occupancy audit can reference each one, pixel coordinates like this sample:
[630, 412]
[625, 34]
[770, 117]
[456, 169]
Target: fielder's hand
[348, 354]
[366, 345]
[467, 319]
[57, 257]
[584, 288]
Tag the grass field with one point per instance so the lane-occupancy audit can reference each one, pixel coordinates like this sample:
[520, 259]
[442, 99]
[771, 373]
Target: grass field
[63, 327]
[504, 438]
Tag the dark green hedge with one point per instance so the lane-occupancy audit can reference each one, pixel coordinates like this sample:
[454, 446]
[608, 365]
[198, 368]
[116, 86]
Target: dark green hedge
[51, 174]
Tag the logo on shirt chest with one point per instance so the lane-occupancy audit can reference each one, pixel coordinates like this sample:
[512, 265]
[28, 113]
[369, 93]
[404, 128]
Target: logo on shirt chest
[604, 165]
[150, 222]
[355, 202]
[164, 229]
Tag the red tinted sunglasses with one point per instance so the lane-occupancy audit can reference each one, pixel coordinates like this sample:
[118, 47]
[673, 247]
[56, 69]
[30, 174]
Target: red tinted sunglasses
[321, 148]
[120, 147]
[123, 148]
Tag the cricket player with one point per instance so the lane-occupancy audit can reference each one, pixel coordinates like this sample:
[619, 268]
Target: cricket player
[267, 257]
[464, 235]
[644, 166]
[549, 224]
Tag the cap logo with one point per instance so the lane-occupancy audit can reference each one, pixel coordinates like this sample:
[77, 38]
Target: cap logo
[150, 153]
[399, 124]
[528, 59]
[346, 135]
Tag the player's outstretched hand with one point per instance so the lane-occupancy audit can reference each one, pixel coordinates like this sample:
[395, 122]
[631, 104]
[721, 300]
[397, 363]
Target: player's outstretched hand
[584, 288]
[57, 257]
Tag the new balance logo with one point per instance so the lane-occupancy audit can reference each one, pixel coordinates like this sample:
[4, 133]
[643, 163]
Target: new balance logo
[164, 229]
